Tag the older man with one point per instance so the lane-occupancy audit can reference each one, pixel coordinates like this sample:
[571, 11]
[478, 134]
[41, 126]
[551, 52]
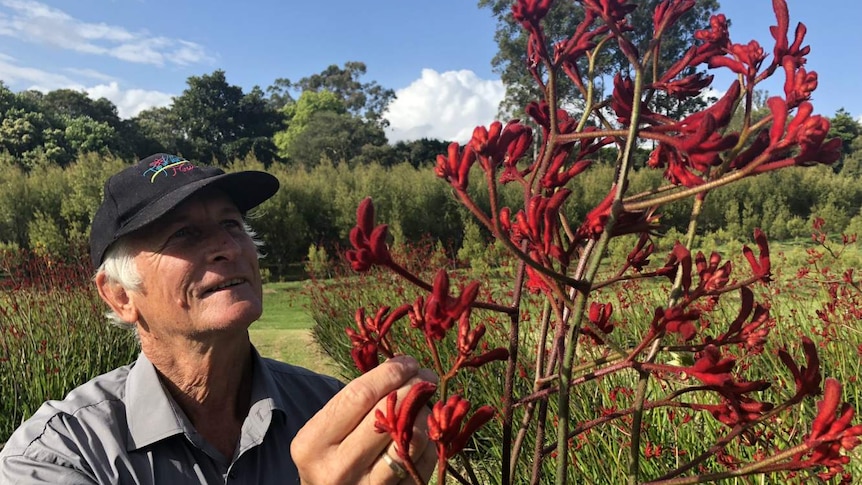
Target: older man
[176, 261]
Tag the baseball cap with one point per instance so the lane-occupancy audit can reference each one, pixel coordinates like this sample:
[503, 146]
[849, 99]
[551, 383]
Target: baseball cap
[138, 195]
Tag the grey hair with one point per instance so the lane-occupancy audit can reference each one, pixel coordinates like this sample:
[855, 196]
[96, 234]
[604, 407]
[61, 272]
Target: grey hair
[119, 268]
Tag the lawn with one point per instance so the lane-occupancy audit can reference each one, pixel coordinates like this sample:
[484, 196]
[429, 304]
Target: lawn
[284, 330]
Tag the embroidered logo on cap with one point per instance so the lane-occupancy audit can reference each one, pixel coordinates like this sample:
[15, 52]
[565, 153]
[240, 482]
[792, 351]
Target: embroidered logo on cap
[168, 164]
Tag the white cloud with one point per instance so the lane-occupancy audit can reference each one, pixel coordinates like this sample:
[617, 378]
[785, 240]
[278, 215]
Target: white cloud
[11, 73]
[447, 106]
[129, 102]
[37, 23]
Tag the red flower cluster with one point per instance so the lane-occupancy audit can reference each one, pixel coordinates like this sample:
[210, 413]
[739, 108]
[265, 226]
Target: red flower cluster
[440, 312]
[831, 433]
[399, 423]
[371, 338]
[368, 240]
[444, 425]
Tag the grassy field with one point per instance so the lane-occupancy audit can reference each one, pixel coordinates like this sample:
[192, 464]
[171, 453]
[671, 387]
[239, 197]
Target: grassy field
[284, 330]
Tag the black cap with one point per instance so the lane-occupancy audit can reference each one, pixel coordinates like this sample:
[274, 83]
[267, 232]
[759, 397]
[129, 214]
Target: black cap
[142, 193]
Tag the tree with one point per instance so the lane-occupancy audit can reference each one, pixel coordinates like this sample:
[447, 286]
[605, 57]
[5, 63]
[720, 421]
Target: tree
[843, 126]
[365, 100]
[217, 121]
[561, 21]
[319, 125]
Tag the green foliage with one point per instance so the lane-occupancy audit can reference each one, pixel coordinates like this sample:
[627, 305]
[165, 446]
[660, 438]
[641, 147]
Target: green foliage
[218, 122]
[317, 206]
[319, 126]
[317, 262]
[367, 101]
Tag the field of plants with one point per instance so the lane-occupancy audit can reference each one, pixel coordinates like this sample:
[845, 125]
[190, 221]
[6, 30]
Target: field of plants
[813, 295]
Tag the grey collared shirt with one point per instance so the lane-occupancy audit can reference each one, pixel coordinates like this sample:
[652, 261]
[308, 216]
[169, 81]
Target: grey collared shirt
[124, 428]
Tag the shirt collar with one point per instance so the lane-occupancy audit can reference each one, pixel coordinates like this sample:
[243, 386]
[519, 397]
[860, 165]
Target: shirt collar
[149, 412]
[152, 415]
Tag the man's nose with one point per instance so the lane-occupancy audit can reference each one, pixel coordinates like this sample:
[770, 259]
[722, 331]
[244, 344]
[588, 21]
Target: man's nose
[221, 244]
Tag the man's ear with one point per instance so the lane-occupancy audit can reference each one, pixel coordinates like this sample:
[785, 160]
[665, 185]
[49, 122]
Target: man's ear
[117, 298]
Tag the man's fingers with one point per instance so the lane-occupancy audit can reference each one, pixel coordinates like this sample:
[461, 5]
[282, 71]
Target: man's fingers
[364, 444]
[347, 408]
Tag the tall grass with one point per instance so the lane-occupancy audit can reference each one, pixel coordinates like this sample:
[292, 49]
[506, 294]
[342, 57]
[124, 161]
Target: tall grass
[53, 333]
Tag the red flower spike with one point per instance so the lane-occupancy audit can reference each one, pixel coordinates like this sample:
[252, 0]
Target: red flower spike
[733, 412]
[444, 425]
[761, 267]
[531, 11]
[399, 424]
[779, 32]
[368, 241]
[667, 13]
[712, 277]
[807, 377]
[501, 145]
[798, 84]
[600, 316]
[676, 320]
[679, 256]
[455, 166]
[372, 336]
[830, 433]
[438, 314]
[638, 258]
[500, 353]
[686, 87]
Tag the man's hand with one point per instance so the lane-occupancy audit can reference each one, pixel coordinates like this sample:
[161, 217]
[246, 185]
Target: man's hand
[339, 445]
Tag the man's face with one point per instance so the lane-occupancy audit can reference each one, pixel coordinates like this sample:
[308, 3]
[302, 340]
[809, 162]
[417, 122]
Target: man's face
[199, 270]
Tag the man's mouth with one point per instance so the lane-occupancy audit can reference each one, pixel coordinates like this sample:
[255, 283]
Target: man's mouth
[227, 284]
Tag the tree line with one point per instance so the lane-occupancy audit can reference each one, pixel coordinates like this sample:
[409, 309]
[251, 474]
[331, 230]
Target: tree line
[333, 114]
[48, 209]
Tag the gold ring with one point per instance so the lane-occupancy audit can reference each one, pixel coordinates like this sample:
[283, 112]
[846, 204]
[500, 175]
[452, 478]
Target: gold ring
[397, 468]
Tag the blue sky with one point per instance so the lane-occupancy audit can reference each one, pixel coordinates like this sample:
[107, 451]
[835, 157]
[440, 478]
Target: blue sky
[435, 54]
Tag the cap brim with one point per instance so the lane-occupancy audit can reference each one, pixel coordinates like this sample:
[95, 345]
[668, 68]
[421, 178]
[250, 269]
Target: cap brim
[247, 189]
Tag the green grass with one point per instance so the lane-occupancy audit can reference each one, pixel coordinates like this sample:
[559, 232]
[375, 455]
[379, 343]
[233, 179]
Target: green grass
[284, 330]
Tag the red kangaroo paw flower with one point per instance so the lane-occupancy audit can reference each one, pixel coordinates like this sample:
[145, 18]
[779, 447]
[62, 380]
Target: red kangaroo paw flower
[733, 412]
[399, 424]
[600, 316]
[675, 320]
[761, 266]
[712, 277]
[455, 166]
[667, 13]
[779, 32]
[499, 353]
[372, 336]
[807, 377]
[638, 258]
[501, 145]
[444, 424]
[799, 84]
[831, 433]
[368, 241]
[436, 315]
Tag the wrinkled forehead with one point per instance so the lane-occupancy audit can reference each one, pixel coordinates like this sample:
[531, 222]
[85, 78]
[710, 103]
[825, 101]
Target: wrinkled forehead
[210, 202]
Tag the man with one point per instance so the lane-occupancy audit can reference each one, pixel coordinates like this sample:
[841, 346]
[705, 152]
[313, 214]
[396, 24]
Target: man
[176, 261]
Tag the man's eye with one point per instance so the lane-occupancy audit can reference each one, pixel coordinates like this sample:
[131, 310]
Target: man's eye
[232, 223]
[183, 232]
